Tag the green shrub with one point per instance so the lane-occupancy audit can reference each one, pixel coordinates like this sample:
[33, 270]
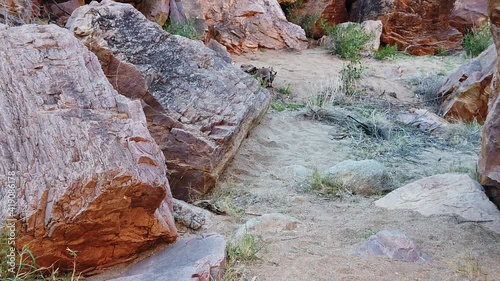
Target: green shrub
[477, 40]
[386, 52]
[187, 29]
[347, 40]
[307, 22]
[349, 75]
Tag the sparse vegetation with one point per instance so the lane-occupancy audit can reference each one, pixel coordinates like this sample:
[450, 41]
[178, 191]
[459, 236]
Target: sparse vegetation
[458, 167]
[463, 134]
[241, 250]
[477, 40]
[427, 87]
[349, 75]
[282, 106]
[470, 269]
[348, 41]
[326, 185]
[187, 29]
[386, 52]
[285, 90]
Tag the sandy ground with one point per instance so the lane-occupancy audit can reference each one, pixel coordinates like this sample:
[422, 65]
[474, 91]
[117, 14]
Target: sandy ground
[330, 229]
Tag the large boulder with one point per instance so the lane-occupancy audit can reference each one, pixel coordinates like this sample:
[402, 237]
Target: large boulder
[469, 14]
[332, 12]
[155, 10]
[446, 194]
[418, 27]
[489, 162]
[88, 174]
[199, 107]
[465, 92]
[244, 26]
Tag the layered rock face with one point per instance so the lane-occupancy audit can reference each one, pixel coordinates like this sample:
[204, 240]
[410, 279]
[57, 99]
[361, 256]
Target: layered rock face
[199, 107]
[465, 92]
[331, 11]
[469, 14]
[489, 162]
[244, 26]
[420, 27]
[89, 176]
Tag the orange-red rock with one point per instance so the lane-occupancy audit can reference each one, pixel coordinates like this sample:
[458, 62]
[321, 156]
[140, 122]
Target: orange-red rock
[88, 174]
[418, 27]
[489, 162]
[244, 26]
[468, 14]
[331, 11]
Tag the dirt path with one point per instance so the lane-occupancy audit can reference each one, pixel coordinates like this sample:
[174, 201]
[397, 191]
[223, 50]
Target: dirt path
[266, 173]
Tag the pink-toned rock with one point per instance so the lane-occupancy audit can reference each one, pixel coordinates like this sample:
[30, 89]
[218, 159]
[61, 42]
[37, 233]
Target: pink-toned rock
[198, 106]
[489, 162]
[244, 26]
[18, 12]
[60, 12]
[418, 27]
[89, 176]
[465, 92]
[469, 14]
[155, 10]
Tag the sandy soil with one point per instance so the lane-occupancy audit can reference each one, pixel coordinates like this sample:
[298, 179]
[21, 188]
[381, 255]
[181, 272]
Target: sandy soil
[330, 229]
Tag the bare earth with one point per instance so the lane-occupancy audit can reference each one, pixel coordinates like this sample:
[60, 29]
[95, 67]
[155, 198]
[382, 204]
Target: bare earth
[330, 229]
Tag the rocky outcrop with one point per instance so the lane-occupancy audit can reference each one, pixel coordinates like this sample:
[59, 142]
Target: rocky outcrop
[18, 12]
[465, 92]
[424, 120]
[420, 27]
[200, 258]
[469, 14]
[89, 176]
[199, 108]
[489, 162]
[155, 10]
[331, 11]
[446, 194]
[61, 11]
[244, 26]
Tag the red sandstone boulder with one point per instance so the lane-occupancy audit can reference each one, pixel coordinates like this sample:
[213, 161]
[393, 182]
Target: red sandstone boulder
[465, 92]
[199, 107]
[88, 174]
[244, 26]
[418, 27]
[489, 162]
[468, 14]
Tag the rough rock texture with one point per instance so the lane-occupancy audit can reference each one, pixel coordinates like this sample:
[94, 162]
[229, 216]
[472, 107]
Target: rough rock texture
[366, 177]
[155, 10]
[331, 11]
[424, 120]
[199, 108]
[61, 11]
[489, 162]
[418, 27]
[266, 225]
[191, 216]
[91, 177]
[393, 244]
[244, 26]
[17, 12]
[195, 259]
[446, 194]
[469, 14]
[465, 92]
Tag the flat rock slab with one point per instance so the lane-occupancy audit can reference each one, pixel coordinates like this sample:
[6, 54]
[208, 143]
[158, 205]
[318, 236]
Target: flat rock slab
[394, 245]
[267, 224]
[446, 194]
[198, 106]
[195, 259]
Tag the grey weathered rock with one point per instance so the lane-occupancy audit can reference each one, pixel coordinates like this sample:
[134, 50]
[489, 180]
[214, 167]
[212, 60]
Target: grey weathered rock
[424, 120]
[194, 259]
[465, 92]
[89, 175]
[366, 177]
[199, 108]
[220, 50]
[267, 224]
[394, 245]
[190, 216]
[446, 194]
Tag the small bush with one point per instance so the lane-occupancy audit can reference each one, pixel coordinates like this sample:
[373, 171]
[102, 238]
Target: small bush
[348, 41]
[477, 40]
[285, 90]
[307, 23]
[349, 75]
[386, 52]
[326, 185]
[427, 88]
[187, 29]
[462, 134]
